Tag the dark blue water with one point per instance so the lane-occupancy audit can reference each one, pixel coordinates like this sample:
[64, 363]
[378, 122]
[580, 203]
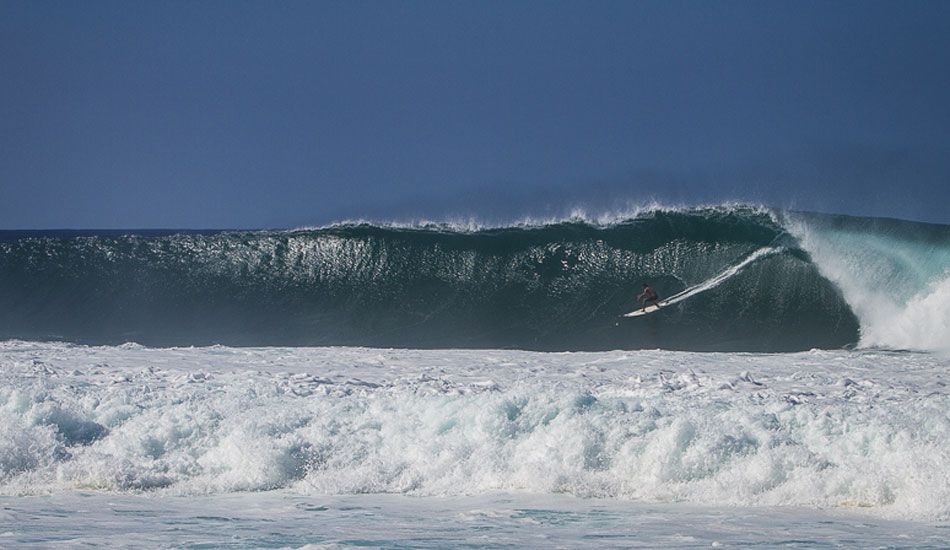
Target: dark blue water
[560, 286]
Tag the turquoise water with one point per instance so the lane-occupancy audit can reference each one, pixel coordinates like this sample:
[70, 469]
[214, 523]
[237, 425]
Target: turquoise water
[279, 520]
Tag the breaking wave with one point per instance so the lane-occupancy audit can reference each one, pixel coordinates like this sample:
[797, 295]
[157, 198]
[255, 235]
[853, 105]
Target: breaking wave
[749, 278]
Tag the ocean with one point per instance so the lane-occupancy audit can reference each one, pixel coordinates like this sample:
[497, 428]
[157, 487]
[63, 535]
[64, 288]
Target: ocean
[437, 385]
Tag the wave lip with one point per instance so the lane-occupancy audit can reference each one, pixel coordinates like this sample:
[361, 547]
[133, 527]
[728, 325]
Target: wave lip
[895, 275]
[558, 286]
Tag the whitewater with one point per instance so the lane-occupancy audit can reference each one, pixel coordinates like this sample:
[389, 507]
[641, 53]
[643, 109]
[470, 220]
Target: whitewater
[442, 387]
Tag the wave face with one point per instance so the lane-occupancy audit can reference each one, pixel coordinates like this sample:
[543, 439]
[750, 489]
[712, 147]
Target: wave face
[754, 280]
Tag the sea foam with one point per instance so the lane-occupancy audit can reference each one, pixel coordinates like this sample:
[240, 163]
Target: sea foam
[860, 430]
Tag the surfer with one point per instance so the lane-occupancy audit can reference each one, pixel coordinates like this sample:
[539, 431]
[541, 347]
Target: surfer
[649, 297]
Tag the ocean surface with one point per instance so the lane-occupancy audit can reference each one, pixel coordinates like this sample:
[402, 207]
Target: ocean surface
[467, 386]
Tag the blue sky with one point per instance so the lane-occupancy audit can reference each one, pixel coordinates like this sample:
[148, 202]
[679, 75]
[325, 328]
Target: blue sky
[284, 114]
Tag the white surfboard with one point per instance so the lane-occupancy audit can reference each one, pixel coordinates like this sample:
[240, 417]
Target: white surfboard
[649, 309]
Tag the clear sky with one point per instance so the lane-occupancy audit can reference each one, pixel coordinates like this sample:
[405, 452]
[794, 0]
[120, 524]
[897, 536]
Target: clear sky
[231, 114]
